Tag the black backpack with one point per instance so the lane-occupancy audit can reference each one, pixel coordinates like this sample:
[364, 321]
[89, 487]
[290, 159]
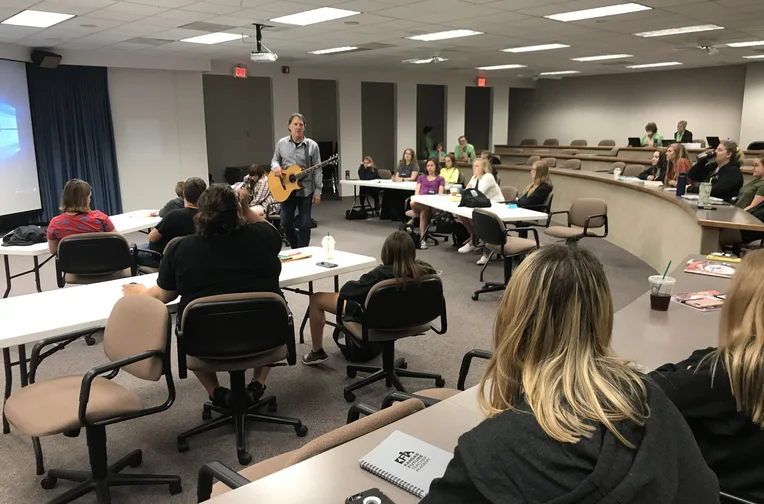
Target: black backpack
[355, 350]
[472, 198]
[356, 214]
[24, 236]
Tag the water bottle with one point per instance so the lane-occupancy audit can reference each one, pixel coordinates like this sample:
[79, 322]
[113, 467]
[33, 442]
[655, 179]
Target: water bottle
[328, 244]
[617, 174]
[681, 184]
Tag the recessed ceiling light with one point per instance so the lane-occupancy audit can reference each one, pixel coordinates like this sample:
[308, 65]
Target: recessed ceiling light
[37, 19]
[753, 43]
[679, 31]
[610, 10]
[334, 50]
[422, 61]
[758, 56]
[654, 65]
[543, 47]
[501, 67]
[315, 16]
[214, 38]
[561, 72]
[429, 37]
[603, 57]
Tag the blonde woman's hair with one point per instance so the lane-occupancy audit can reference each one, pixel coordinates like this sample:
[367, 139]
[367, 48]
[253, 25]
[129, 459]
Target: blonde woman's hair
[371, 162]
[552, 349]
[542, 175]
[741, 337]
[485, 165]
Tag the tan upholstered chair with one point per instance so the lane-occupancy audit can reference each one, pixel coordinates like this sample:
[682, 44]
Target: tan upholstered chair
[230, 479]
[632, 170]
[617, 164]
[147, 270]
[550, 162]
[581, 143]
[585, 215]
[136, 340]
[509, 193]
[385, 174]
[233, 333]
[529, 141]
[551, 141]
[606, 143]
[94, 257]
[490, 229]
[532, 160]
[702, 143]
[570, 164]
[612, 152]
[569, 152]
[748, 162]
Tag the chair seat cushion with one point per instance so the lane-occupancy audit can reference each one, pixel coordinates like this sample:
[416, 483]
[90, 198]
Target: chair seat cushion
[513, 246]
[357, 332]
[439, 394]
[564, 231]
[257, 360]
[50, 407]
[257, 471]
[71, 278]
[147, 270]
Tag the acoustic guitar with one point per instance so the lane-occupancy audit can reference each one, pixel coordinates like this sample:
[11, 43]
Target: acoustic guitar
[291, 178]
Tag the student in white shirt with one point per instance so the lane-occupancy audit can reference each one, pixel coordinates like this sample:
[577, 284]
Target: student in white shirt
[482, 180]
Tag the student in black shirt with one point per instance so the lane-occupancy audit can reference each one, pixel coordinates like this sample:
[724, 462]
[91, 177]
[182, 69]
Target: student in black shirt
[722, 169]
[179, 222]
[398, 261]
[393, 199]
[368, 171]
[175, 203]
[233, 250]
[657, 169]
[720, 391]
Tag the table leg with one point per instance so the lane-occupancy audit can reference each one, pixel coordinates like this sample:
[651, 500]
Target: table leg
[307, 314]
[36, 273]
[7, 276]
[8, 386]
[24, 379]
[23, 374]
[336, 283]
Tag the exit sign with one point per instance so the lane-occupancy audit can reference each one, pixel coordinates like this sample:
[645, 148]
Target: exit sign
[481, 81]
[240, 72]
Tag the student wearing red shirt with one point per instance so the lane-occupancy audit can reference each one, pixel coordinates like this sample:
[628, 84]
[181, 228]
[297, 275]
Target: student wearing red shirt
[77, 217]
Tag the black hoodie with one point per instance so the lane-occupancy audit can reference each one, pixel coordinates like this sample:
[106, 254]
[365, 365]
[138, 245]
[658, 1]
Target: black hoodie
[511, 460]
[725, 184]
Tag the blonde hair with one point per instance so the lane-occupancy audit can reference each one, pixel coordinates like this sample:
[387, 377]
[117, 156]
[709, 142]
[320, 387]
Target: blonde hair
[371, 162]
[542, 175]
[485, 165]
[552, 349]
[680, 152]
[741, 337]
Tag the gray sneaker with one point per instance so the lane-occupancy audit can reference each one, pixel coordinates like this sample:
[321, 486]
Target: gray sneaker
[315, 358]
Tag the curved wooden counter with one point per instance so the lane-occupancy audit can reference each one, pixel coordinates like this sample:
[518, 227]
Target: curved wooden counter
[642, 153]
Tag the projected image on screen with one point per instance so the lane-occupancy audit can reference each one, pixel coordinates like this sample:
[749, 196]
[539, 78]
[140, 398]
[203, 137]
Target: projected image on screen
[9, 131]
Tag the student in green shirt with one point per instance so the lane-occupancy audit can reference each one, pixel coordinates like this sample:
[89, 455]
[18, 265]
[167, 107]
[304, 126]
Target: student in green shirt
[752, 193]
[426, 143]
[437, 152]
[464, 151]
[652, 138]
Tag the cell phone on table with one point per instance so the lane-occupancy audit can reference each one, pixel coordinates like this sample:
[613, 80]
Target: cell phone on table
[371, 496]
[324, 264]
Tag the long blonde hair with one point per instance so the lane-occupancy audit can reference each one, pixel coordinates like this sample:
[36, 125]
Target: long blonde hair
[542, 175]
[371, 162]
[741, 337]
[485, 165]
[680, 152]
[552, 349]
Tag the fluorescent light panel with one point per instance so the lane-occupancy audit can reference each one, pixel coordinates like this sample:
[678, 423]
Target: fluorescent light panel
[752, 43]
[679, 31]
[214, 38]
[334, 50]
[543, 47]
[561, 72]
[610, 10]
[500, 67]
[603, 57]
[758, 56]
[314, 16]
[416, 61]
[450, 34]
[656, 65]
[37, 19]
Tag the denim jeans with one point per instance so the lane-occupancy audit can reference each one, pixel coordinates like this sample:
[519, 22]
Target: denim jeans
[303, 205]
[146, 258]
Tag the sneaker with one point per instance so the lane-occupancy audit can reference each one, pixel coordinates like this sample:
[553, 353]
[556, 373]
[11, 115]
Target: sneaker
[423, 246]
[221, 397]
[466, 249]
[314, 358]
[483, 260]
[255, 391]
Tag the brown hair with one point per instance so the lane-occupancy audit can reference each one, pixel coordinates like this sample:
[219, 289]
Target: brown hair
[651, 127]
[256, 172]
[398, 251]
[437, 166]
[487, 154]
[219, 211]
[180, 187]
[75, 196]
[371, 162]
[736, 154]
[194, 188]
[413, 157]
[453, 160]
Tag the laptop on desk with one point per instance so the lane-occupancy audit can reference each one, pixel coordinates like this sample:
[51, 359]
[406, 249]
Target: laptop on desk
[668, 141]
[635, 142]
[713, 142]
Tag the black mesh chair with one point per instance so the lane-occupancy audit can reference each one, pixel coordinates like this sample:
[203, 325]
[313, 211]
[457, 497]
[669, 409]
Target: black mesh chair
[416, 306]
[94, 257]
[232, 333]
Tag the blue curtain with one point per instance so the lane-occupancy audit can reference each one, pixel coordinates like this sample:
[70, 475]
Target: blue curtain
[73, 135]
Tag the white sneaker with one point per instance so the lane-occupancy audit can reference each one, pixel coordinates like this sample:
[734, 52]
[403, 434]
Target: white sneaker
[466, 249]
[423, 246]
[483, 260]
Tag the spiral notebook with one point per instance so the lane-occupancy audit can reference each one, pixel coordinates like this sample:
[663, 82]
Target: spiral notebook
[407, 462]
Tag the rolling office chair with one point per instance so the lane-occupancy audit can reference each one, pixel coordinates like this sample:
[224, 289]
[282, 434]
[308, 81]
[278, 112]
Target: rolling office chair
[147, 270]
[551, 142]
[579, 143]
[632, 170]
[531, 160]
[417, 305]
[137, 341]
[89, 258]
[606, 143]
[570, 164]
[550, 161]
[584, 215]
[528, 141]
[509, 193]
[233, 333]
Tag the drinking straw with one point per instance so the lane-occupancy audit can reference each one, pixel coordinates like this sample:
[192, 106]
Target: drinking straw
[658, 289]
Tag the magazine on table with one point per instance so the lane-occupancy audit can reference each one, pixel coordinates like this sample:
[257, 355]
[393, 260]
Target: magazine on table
[710, 268]
[702, 301]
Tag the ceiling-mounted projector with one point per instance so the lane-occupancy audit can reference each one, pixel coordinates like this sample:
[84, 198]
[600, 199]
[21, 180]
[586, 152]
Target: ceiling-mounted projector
[263, 54]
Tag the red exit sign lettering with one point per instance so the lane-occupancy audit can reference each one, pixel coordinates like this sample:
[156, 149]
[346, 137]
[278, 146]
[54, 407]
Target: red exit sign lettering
[240, 72]
[481, 81]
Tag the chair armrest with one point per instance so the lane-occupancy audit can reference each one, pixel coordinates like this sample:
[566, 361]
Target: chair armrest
[727, 498]
[59, 275]
[217, 471]
[443, 321]
[393, 397]
[531, 229]
[467, 361]
[358, 409]
[133, 260]
[37, 355]
[290, 343]
[586, 222]
[549, 218]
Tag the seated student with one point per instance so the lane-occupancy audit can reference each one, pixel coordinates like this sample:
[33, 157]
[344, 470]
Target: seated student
[77, 217]
[407, 171]
[752, 193]
[652, 138]
[464, 152]
[450, 172]
[657, 169]
[723, 172]
[368, 171]
[482, 180]
[437, 152]
[536, 193]
[176, 223]
[175, 203]
[568, 422]
[682, 135]
[398, 261]
[720, 391]
[430, 183]
[677, 161]
[260, 198]
[408, 167]
[234, 250]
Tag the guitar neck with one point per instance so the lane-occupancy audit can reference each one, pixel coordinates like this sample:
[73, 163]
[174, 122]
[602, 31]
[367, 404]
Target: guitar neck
[310, 170]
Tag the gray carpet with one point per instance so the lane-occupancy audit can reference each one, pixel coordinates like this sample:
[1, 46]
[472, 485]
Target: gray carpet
[312, 394]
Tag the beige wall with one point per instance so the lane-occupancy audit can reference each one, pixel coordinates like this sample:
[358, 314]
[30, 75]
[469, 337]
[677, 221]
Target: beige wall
[752, 125]
[619, 106]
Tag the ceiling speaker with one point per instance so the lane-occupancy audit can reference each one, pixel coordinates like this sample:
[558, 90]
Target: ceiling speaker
[44, 59]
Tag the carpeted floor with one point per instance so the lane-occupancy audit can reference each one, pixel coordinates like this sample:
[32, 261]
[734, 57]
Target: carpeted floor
[312, 394]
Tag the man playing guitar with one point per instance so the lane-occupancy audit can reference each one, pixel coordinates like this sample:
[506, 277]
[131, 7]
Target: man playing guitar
[296, 149]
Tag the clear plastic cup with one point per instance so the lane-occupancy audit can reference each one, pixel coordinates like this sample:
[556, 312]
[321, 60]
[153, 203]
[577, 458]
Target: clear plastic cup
[660, 292]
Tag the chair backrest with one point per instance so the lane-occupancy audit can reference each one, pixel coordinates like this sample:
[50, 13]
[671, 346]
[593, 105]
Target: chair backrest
[532, 160]
[612, 152]
[568, 152]
[529, 141]
[617, 164]
[570, 164]
[606, 143]
[551, 141]
[550, 162]
[488, 227]
[354, 430]
[580, 142]
[748, 162]
[138, 324]
[582, 208]
[549, 200]
[415, 304]
[461, 180]
[235, 326]
[632, 170]
[509, 192]
[172, 243]
[384, 174]
[93, 253]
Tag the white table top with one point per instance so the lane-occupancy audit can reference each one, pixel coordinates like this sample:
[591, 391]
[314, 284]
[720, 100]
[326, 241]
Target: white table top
[384, 184]
[125, 223]
[506, 214]
[59, 313]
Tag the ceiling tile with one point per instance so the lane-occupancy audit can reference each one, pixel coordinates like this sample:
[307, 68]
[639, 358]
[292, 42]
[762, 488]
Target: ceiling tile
[211, 8]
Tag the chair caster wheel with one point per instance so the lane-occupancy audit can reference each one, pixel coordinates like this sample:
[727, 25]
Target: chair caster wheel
[272, 407]
[245, 458]
[474, 297]
[404, 365]
[206, 415]
[48, 482]
[175, 488]
[440, 382]
[349, 396]
[136, 461]
[182, 445]
[352, 373]
[89, 340]
[301, 431]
